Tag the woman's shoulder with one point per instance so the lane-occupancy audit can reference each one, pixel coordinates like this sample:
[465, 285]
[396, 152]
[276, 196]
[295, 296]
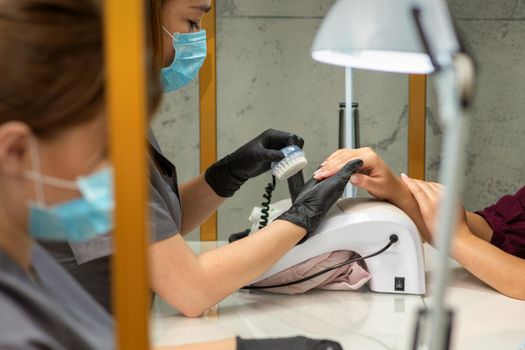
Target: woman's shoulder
[23, 326]
[50, 310]
[26, 324]
[61, 286]
[19, 329]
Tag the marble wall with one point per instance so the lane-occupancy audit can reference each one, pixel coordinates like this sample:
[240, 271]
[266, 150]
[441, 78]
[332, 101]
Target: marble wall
[495, 32]
[266, 78]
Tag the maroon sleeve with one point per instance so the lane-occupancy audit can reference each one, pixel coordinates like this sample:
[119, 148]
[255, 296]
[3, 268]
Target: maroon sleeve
[507, 220]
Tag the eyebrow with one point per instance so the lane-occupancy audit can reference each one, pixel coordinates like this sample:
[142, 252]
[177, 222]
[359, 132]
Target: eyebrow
[203, 8]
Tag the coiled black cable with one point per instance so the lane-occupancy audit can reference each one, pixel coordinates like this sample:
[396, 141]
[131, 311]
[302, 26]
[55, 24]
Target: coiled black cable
[265, 212]
[392, 239]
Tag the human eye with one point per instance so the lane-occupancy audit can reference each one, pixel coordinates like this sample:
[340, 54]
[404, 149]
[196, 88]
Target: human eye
[194, 26]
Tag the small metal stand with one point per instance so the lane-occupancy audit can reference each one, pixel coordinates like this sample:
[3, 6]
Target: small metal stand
[342, 124]
[423, 318]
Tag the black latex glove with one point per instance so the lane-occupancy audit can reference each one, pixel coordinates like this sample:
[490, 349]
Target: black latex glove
[317, 197]
[294, 343]
[251, 160]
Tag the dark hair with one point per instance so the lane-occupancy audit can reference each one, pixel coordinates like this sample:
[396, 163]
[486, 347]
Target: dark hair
[52, 63]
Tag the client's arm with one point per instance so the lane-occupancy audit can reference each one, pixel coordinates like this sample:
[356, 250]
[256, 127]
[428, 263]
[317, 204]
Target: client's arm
[500, 270]
[503, 271]
[478, 226]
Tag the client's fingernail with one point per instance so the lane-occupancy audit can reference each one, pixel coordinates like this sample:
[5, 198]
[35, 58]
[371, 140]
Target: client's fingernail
[354, 179]
[323, 163]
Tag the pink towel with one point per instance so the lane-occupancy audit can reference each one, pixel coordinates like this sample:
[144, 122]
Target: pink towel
[349, 277]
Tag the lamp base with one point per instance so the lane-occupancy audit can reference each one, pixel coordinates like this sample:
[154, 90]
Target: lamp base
[422, 339]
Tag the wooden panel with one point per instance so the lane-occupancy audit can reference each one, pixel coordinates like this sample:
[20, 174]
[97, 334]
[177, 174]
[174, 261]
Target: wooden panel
[208, 114]
[417, 126]
[125, 62]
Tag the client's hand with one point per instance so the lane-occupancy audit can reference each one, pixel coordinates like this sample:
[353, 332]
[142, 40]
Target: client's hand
[374, 176]
[317, 197]
[377, 178]
[428, 196]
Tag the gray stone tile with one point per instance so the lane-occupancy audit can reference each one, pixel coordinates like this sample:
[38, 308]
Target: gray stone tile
[498, 118]
[383, 105]
[272, 8]
[487, 9]
[494, 164]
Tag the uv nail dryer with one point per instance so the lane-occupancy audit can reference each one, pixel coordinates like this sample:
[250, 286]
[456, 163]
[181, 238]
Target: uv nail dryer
[365, 225]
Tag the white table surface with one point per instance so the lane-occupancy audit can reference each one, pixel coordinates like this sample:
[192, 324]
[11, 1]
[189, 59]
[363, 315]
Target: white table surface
[484, 319]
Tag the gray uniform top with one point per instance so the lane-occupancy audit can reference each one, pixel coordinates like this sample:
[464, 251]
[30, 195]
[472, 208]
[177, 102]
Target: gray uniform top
[89, 262]
[49, 311]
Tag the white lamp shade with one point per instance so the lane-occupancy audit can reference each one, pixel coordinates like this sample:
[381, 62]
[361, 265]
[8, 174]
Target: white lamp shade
[382, 35]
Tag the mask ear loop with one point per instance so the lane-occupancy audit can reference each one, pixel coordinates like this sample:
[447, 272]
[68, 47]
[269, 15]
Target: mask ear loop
[36, 174]
[167, 32]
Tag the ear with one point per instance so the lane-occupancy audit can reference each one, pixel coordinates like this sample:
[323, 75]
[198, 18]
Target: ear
[14, 148]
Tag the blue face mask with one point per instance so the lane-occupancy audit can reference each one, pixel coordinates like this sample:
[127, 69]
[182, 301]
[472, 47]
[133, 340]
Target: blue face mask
[75, 220]
[190, 53]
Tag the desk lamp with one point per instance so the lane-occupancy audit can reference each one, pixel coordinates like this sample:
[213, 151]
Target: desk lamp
[418, 37]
